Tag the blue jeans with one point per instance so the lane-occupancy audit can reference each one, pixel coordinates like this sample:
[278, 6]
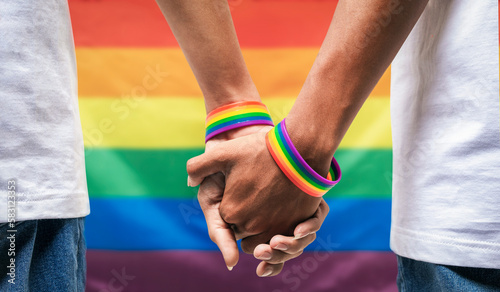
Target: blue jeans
[43, 255]
[422, 276]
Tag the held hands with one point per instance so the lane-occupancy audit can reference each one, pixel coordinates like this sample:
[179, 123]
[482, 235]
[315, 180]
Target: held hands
[273, 255]
[259, 201]
[283, 248]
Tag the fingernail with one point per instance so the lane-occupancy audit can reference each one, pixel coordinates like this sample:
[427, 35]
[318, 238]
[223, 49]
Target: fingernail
[265, 256]
[229, 268]
[190, 183]
[299, 236]
[281, 246]
[267, 273]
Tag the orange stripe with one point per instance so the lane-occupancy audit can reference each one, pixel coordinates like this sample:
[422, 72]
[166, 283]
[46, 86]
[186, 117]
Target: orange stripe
[137, 73]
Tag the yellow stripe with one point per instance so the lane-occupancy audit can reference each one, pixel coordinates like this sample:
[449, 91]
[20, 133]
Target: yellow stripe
[117, 72]
[180, 122]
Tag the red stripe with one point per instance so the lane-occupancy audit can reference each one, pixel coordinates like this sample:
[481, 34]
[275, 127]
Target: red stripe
[139, 23]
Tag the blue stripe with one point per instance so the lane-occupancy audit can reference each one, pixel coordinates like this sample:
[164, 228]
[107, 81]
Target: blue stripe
[178, 224]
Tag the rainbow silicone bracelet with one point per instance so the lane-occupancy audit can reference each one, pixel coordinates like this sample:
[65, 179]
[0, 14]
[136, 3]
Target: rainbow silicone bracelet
[236, 115]
[294, 166]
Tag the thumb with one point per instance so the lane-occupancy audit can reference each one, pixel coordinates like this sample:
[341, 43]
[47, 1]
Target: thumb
[226, 241]
[210, 196]
[211, 162]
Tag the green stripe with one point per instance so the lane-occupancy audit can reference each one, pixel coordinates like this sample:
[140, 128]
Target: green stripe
[237, 117]
[162, 173]
[333, 173]
[305, 176]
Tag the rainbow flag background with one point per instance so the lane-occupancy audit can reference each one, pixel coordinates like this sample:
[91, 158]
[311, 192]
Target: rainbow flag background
[143, 117]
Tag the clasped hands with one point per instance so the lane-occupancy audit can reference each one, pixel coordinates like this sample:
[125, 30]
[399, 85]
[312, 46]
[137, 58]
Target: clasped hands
[244, 195]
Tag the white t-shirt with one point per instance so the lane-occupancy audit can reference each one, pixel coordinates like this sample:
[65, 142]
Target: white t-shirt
[446, 137]
[41, 143]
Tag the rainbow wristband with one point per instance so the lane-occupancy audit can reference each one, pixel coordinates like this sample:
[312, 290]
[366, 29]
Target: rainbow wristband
[295, 168]
[236, 115]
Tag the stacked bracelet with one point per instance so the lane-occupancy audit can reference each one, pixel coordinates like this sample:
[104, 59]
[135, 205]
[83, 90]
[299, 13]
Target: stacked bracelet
[295, 168]
[236, 115]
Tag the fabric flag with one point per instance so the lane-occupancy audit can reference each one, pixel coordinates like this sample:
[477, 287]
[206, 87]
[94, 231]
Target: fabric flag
[143, 117]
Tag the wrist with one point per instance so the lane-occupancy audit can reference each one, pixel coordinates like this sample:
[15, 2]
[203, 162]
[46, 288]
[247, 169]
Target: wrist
[296, 168]
[223, 121]
[315, 146]
[221, 95]
[237, 133]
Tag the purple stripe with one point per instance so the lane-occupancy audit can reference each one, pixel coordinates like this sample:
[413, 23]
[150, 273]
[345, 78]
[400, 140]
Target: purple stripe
[337, 170]
[205, 271]
[304, 163]
[238, 125]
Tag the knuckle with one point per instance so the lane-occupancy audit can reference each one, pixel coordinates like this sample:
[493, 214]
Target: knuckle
[205, 200]
[315, 224]
[307, 241]
[227, 214]
[327, 209]
[277, 258]
[253, 227]
[295, 248]
[212, 236]
[191, 166]
[297, 254]
[220, 157]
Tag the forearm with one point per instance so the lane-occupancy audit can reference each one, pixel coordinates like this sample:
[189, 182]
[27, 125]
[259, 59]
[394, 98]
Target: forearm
[205, 32]
[363, 39]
